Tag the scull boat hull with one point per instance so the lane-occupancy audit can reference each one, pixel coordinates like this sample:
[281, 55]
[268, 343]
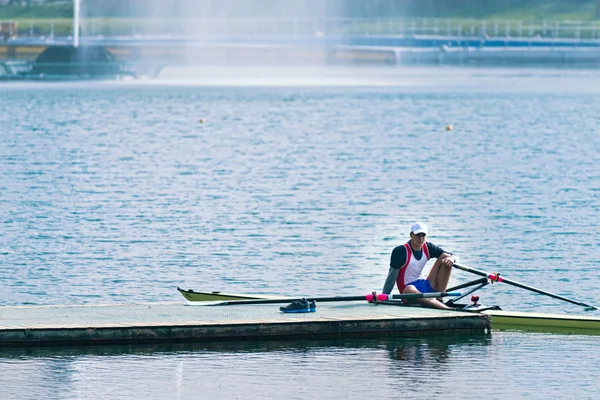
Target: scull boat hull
[503, 320]
[194, 296]
[541, 322]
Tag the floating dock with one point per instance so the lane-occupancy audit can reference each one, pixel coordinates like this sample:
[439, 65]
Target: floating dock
[26, 326]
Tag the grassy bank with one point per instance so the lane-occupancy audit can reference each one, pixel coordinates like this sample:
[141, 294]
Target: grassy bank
[564, 10]
[584, 10]
[497, 18]
[109, 27]
[48, 11]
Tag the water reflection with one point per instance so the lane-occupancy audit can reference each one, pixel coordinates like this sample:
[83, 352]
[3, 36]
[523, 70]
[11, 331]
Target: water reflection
[431, 349]
[185, 367]
[327, 369]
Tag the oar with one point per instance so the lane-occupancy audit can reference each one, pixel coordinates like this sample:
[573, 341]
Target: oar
[370, 298]
[495, 277]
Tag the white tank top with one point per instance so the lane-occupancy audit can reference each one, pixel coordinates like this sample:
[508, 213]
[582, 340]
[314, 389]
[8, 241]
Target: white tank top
[412, 270]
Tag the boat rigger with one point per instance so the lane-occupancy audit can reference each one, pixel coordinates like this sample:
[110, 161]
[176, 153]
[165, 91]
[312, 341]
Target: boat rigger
[500, 319]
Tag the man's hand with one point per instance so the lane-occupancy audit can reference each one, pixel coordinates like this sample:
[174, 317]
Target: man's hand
[448, 261]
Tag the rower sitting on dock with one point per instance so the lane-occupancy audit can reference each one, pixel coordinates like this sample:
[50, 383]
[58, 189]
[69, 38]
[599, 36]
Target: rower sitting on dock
[407, 264]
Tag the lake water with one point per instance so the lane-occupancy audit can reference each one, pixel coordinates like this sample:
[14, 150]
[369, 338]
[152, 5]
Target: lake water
[301, 182]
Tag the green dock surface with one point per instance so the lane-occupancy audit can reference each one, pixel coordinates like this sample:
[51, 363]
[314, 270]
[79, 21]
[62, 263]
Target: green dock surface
[177, 322]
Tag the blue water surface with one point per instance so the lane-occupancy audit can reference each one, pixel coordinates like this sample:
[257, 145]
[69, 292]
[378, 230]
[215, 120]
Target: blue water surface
[116, 192]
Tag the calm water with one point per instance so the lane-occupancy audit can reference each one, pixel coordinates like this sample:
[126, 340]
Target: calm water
[509, 365]
[115, 192]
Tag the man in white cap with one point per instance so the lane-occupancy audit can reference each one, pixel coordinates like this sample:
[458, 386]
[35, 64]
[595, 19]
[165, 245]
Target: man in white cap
[408, 261]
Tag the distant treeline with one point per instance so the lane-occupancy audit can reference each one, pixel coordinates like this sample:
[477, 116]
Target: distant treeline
[569, 9]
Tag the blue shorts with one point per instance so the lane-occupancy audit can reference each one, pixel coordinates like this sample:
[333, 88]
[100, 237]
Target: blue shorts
[422, 286]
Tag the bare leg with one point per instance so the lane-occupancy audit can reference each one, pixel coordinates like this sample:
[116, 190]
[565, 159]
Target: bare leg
[439, 276]
[432, 303]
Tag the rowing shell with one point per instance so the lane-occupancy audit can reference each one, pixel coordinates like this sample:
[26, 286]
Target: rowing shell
[193, 296]
[558, 323]
[503, 320]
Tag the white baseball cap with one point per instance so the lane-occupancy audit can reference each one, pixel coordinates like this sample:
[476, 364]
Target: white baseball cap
[419, 227]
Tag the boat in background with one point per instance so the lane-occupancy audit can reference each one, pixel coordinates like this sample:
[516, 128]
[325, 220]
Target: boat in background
[65, 63]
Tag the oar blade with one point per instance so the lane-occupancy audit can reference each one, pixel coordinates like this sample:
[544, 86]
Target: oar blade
[495, 277]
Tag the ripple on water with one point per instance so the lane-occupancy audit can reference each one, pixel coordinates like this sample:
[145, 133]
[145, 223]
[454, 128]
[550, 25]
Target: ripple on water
[115, 193]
